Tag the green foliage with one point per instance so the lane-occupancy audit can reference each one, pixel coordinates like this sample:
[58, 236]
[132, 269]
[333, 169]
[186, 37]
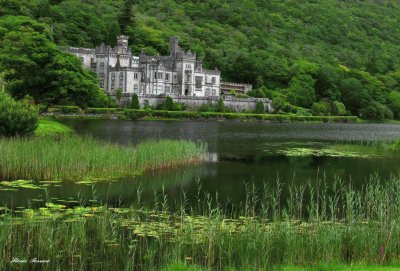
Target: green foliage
[52, 128]
[307, 51]
[118, 95]
[220, 105]
[394, 103]
[301, 90]
[16, 119]
[75, 158]
[65, 109]
[134, 102]
[33, 65]
[169, 104]
[259, 108]
[320, 109]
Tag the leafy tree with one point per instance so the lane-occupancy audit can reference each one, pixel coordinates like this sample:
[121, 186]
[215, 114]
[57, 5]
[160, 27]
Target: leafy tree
[220, 105]
[118, 95]
[33, 65]
[339, 108]
[394, 103]
[320, 109]
[17, 119]
[280, 105]
[301, 90]
[259, 108]
[135, 102]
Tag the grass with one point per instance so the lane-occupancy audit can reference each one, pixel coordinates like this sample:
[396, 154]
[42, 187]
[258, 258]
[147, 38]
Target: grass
[52, 128]
[76, 158]
[314, 227]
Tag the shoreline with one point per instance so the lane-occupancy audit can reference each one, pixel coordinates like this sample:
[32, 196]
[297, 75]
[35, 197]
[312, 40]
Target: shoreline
[134, 114]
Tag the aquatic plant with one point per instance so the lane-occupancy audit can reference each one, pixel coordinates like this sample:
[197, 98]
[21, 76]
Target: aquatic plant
[77, 158]
[312, 224]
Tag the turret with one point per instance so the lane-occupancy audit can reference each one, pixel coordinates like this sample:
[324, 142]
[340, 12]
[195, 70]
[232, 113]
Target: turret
[174, 45]
[122, 44]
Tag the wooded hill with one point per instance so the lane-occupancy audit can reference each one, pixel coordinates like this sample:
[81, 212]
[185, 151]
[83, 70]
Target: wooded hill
[331, 56]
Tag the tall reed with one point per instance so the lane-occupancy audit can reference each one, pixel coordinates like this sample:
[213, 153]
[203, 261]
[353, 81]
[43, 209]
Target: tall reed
[322, 223]
[76, 158]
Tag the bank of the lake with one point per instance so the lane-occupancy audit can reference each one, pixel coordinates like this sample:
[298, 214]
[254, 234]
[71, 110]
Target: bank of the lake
[79, 158]
[134, 114]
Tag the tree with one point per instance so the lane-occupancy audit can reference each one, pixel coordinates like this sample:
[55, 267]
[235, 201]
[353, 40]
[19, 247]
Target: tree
[33, 65]
[259, 108]
[17, 119]
[320, 109]
[126, 17]
[118, 95]
[301, 90]
[135, 102]
[169, 104]
[220, 105]
[394, 103]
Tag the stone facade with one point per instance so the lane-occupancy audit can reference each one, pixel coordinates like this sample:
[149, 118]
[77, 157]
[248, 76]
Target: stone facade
[237, 104]
[179, 73]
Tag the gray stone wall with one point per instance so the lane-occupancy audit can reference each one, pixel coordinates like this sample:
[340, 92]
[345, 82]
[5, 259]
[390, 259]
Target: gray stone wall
[237, 104]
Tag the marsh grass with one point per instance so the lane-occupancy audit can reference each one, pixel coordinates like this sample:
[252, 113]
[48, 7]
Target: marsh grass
[312, 224]
[76, 158]
[48, 127]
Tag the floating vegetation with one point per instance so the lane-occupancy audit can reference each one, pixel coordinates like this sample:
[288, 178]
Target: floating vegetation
[322, 152]
[15, 185]
[340, 224]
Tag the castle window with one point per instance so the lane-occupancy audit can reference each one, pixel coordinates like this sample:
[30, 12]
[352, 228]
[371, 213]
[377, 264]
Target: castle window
[167, 89]
[135, 76]
[213, 80]
[102, 66]
[167, 77]
[199, 81]
[135, 88]
[174, 77]
[155, 75]
[160, 75]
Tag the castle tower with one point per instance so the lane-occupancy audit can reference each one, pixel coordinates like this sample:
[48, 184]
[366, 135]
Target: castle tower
[122, 44]
[174, 45]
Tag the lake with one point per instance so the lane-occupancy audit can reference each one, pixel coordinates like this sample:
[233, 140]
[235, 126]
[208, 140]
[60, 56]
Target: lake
[240, 153]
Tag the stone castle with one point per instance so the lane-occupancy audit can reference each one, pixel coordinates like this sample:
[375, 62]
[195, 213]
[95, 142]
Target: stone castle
[178, 74]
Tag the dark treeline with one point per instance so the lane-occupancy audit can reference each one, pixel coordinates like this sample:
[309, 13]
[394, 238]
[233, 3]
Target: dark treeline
[333, 57]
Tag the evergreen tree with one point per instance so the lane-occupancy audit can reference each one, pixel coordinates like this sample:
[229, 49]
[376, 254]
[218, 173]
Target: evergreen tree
[260, 108]
[169, 104]
[135, 102]
[220, 105]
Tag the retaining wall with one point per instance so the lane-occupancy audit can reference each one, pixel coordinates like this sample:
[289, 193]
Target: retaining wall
[237, 104]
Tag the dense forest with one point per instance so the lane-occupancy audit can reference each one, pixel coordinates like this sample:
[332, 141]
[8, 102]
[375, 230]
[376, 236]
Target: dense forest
[334, 56]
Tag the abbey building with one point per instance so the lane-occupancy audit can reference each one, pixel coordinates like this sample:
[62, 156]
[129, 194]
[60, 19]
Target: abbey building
[179, 73]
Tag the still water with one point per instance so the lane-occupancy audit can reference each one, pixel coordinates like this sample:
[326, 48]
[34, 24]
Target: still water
[240, 153]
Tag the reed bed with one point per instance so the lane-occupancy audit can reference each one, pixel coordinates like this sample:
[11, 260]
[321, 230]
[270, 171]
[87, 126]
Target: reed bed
[76, 158]
[312, 224]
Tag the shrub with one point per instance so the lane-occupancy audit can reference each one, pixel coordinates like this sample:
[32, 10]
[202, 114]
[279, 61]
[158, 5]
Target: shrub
[131, 114]
[259, 108]
[66, 109]
[220, 105]
[320, 109]
[16, 119]
[101, 110]
[134, 102]
[169, 104]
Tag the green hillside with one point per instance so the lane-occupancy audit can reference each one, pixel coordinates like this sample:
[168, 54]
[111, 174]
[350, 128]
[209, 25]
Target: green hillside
[312, 54]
